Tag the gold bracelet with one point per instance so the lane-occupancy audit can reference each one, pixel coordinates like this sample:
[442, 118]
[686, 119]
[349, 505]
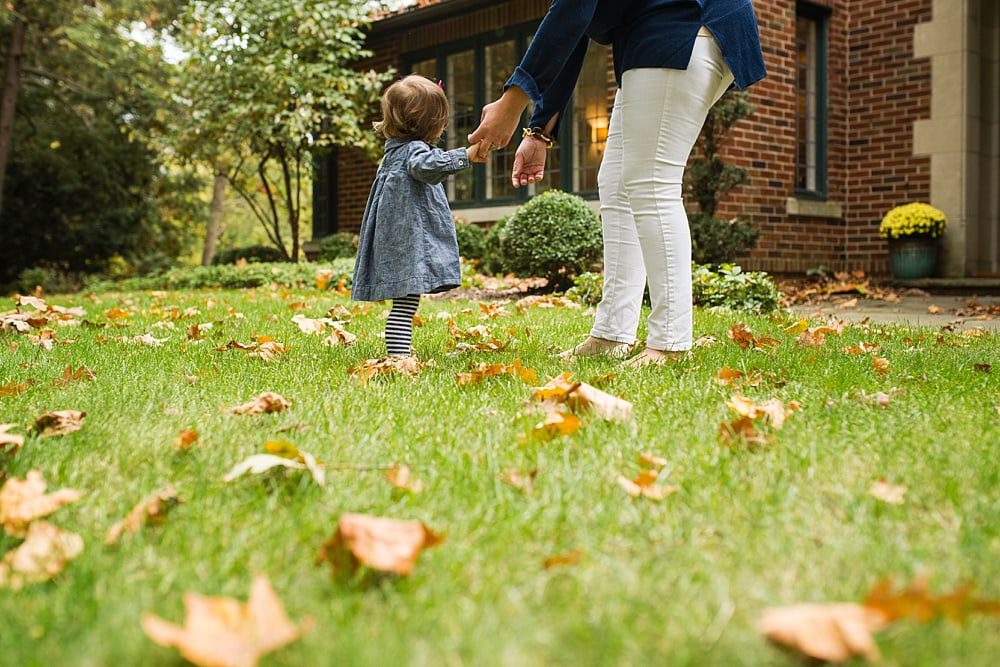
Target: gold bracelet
[538, 133]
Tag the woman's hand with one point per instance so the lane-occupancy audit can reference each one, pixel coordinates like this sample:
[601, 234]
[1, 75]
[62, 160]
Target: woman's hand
[498, 122]
[529, 162]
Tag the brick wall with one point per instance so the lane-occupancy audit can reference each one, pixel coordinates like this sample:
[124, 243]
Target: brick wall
[876, 90]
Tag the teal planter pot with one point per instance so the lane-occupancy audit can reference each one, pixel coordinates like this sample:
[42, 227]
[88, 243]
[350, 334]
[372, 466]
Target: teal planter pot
[913, 258]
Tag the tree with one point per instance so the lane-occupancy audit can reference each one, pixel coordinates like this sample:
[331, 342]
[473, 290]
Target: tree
[268, 82]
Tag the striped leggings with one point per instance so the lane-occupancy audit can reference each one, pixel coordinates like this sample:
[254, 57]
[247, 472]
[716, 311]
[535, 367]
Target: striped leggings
[399, 326]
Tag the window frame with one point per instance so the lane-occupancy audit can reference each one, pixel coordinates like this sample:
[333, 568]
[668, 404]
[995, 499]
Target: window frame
[521, 36]
[821, 17]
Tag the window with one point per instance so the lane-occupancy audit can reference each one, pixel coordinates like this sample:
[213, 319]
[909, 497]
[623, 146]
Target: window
[473, 73]
[810, 155]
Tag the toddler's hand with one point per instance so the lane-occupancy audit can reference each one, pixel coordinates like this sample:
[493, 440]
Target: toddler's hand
[474, 154]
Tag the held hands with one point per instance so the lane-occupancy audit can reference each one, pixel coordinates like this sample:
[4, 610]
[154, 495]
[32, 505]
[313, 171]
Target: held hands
[498, 123]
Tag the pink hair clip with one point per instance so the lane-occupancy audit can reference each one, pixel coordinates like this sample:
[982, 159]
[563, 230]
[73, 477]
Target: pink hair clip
[440, 84]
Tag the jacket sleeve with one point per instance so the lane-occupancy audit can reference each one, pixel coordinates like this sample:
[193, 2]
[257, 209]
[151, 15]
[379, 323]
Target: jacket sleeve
[549, 70]
[433, 165]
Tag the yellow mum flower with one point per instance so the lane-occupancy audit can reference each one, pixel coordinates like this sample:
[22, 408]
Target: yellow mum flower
[916, 219]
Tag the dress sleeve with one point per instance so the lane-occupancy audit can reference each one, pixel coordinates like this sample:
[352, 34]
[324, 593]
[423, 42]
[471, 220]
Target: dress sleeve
[549, 70]
[433, 165]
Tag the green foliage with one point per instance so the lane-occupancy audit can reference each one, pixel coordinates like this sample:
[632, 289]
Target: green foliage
[493, 246]
[285, 274]
[52, 281]
[83, 188]
[709, 179]
[471, 240]
[556, 235]
[335, 246]
[271, 82]
[253, 254]
[587, 288]
[731, 288]
[716, 241]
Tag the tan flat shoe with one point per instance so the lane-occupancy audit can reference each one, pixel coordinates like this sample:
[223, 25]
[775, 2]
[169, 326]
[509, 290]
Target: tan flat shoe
[594, 346]
[651, 357]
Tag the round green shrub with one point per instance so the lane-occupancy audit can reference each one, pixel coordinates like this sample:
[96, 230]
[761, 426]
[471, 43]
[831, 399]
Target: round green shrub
[556, 235]
[492, 251]
[471, 239]
[716, 241]
[252, 254]
[335, 246]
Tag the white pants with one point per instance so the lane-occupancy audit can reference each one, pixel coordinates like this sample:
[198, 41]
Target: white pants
[657, 116]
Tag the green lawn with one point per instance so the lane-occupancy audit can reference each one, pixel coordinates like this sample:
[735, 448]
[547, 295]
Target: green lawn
[681, 581]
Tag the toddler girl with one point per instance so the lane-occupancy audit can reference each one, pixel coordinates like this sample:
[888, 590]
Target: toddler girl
[407, 244]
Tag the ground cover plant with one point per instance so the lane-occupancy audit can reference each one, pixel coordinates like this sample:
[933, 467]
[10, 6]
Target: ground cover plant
[785, 461]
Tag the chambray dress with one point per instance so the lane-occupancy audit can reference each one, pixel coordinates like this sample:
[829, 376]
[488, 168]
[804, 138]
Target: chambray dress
[407, 243]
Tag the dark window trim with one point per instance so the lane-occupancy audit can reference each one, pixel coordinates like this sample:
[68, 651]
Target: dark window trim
[521, 35]
[821, 15]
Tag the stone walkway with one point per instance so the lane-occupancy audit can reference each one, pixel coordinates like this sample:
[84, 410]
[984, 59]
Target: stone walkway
[929, 311]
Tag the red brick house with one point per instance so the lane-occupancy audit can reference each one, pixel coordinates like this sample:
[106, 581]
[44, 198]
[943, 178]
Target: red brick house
[868, 104]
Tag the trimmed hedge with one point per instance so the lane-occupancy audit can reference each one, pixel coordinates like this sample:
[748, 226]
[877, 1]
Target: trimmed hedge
[285, 274]
[254, 253]
[471, 239]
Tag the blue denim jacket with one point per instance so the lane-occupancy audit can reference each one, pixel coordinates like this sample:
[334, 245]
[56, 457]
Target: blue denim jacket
[407, 243]
[644, 33]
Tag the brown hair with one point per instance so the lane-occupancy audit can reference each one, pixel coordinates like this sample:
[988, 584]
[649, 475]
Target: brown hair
[413, 108]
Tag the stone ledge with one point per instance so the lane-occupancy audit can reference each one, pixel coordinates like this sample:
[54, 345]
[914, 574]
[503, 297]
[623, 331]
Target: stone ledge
[813, 208]
[954, 285]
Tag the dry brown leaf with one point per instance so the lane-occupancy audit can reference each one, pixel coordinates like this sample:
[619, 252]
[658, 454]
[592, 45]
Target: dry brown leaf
[23, 501]
[147, 339]
[581, 396]
[556, 423]
[830, 632]
[850, 303]
[266, 403]
[12, 388]
[705, 341]
[59, 422]
[117, 314]
[797, 328]
[491, 310]
[880, 365]
[648, 460]
[186, 439]
[517, 369]
[401, 477]
[934, 309]
[888, 493]
[383, 545]
[644, 486]
[339, 336]
[10, 443]
[268, 350]
[571, 557]
[726, 375]
[863, 348]
[811, 338]
[740, 334]
[372, 368]
[917, 603]
[982, 368]
[311, 326]
[151, 511]
[741, 430]
[524, 482]
[223, 632]
[70, 376]
[45, 552]
[323, 278]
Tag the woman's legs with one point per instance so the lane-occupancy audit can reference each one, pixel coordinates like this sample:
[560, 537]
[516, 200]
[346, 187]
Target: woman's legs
[661, 114]
[624, 272]
[399, 326]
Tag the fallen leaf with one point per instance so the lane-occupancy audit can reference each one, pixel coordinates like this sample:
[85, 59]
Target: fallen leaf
[266, 403]
[933, 309]
[259, 463]
[850, 303]
[917, 603]
[23, 501]
[12, 388]
[983, 368]
[70, 376]
[401, 477]
[571, 557]
[372, 368]
[9, 442]
[880, 365]
[726, 375]
[740, 334]
[186, 439]
[863, 348]
[323, 278]
[147, 339]
[287, 450]
[811, 339]
[644, 486]
[384, 545]
[338, 336]
[647, 460]
[45, 552]
[494, 370]
[741, 430]
[59, 422]
[310, 326]
[797, 328]
[524, 482]
[830, 632]
[580, 396]
[151, 511]
[268, 350]
[887, 493]
[556, 423]
[223, 632]
[705, 341]
[117, 314]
